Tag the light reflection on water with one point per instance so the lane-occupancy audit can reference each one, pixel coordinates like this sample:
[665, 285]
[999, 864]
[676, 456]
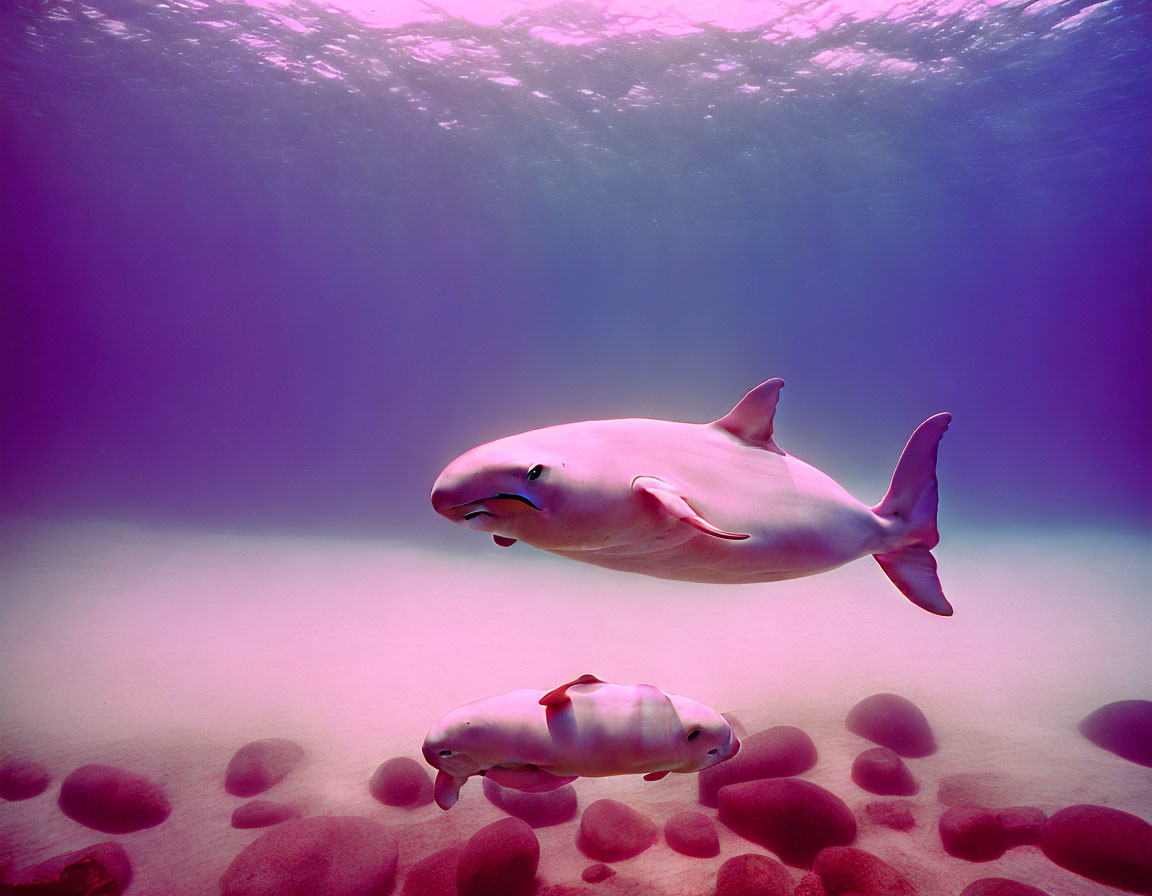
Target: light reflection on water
[740, 47]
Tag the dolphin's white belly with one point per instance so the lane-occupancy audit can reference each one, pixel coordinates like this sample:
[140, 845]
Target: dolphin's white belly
[798, 519]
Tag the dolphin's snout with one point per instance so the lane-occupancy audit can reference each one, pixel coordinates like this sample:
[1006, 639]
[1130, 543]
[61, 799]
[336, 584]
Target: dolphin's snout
[466, 500]
[450, 495]
[441, 501]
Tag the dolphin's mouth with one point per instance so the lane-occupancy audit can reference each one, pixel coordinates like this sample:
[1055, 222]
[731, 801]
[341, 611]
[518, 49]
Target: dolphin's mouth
[499, 496]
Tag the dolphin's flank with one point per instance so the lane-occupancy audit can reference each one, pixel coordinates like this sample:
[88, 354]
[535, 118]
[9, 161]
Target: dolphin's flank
[716, 502]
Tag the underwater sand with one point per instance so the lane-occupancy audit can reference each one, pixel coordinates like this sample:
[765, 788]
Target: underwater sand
[163, 651]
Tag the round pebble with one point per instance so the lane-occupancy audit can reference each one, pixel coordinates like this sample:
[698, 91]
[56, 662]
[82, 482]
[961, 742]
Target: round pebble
[811, 885]
[499, 860]
[22, 779]
[843, 869]
[103, 864]
[1102, 844]
[792, 817]
[540, 810]
[893, 722]
[692, 834]
[259, 765]
[971, 832]
[880, 771]
[321, 856]
[611, 831]
[775, 753]
[753, 875]
[262, 814]
[1123, 728]
[112, 800]
[434, 875]
[1022, 825]
[1000, 886]
[401, 782]
[593, 874]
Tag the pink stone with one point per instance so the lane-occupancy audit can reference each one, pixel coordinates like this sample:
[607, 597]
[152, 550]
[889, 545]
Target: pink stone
[1000, 886]
[611, 831]
[22, 779]
[1102, 844]
[104, 862]
[540, 810]
[692, 834]
[971, 832]
[879, 770]
[499, 860]
[1123, 728]
[401, 782]
[259, 765]
[112, 800]
[262, 814]
[434, 875]
[754, 875]
[893, 722]
[775, 753]
[792, 817]
[810, 885]
[321, 856]
[593, 874]
[844, 869]
[1022, 825]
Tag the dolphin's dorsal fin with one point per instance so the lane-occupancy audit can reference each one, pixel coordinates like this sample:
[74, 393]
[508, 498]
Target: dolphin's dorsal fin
[559, 695]
[751, 420]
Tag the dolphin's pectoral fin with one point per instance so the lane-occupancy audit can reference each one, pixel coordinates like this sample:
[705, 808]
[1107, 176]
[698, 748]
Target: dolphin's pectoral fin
[676, 506]
[559, 695]
[752, 419]
[655, 776]
[528, 778]
[504, 541]
[447, 789]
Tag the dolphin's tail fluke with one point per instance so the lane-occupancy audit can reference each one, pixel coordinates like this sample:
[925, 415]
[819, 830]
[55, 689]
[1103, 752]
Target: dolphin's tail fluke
[909, 508]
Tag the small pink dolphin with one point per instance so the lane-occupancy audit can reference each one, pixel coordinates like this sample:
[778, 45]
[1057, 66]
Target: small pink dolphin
[699, 502]
[537, 741]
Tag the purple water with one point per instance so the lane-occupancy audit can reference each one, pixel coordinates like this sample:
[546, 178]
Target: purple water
[266, 269]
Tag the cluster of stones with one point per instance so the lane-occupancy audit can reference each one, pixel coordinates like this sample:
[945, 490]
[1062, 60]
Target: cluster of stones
[901, 730]
[809, 827]
[22, 779]
[756, 795]
[256, 767]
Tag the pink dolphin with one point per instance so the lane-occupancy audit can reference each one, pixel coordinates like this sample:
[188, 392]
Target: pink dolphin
[537, 741]
[699, 502]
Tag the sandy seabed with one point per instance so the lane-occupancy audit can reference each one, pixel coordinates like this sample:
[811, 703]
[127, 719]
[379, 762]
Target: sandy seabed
[162, 651]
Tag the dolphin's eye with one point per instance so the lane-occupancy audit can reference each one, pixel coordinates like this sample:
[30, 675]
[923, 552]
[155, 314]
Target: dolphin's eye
[536, 471]
[445, 752]
[693, 734]
[713, 752]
